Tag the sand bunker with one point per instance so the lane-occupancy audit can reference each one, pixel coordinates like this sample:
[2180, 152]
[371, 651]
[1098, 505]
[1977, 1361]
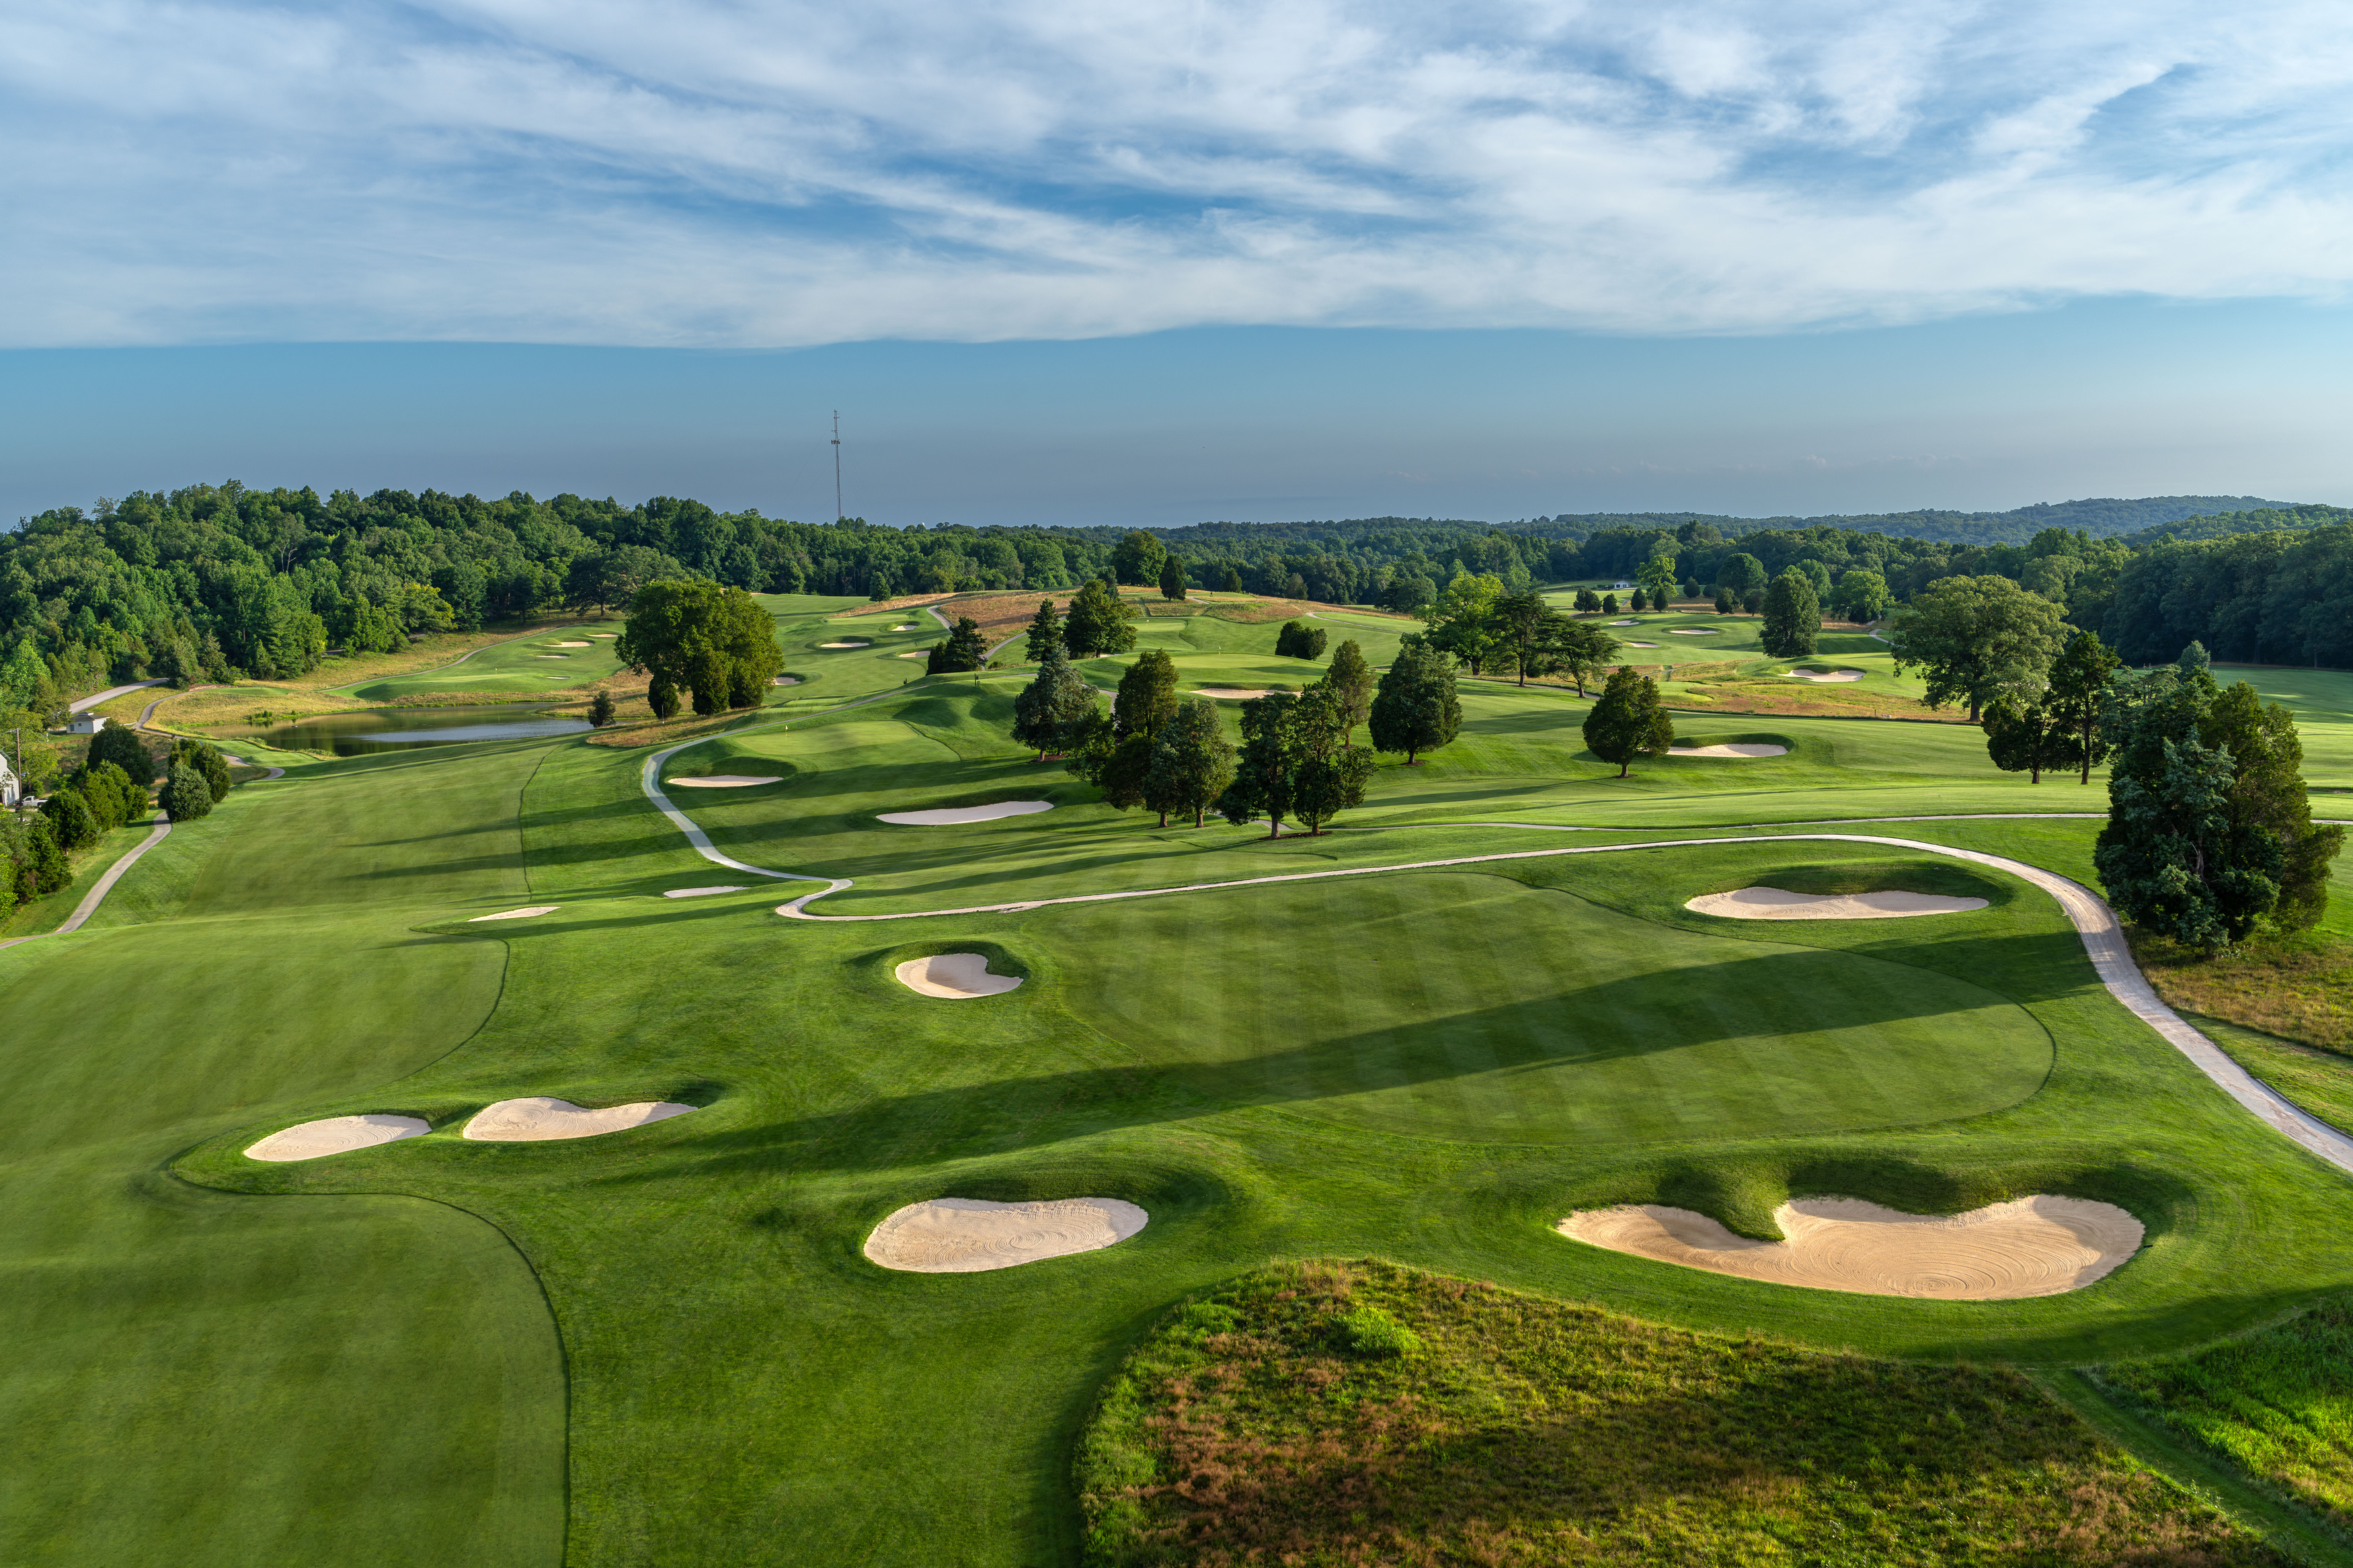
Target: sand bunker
[1625, 623]
[520, 914]
[786, 681]
[1630, 643]
[919, 653]
[949, 817]
[909, 627]
[1738, 750]
[955, 976]
[1693, 631]
[1243, 692]
[2040, 1246]
[699, 892]
[537, 1119]
[1820, 676]
[1773, 904]
[572, 644]
[336, 1136]
[845, 644]
[966, 1236]
[725, 780]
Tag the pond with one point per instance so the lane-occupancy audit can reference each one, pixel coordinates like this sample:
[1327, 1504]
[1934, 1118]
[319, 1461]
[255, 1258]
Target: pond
[395, 729]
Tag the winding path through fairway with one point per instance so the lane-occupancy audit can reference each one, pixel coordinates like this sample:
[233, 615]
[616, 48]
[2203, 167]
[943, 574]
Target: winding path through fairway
[97, 895]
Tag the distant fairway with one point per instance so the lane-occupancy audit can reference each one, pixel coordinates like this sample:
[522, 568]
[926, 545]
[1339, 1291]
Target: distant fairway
[535, 661]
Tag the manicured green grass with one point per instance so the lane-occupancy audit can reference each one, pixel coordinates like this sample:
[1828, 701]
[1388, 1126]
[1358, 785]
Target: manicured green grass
[1333, 1412]
[2320, 1081]
[535, 661]
[49, 911]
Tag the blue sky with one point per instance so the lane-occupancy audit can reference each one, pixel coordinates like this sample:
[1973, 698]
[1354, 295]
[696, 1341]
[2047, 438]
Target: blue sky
[1161, 262]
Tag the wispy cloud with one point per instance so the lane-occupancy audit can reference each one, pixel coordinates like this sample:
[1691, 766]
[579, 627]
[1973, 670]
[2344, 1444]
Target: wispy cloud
[736, 174]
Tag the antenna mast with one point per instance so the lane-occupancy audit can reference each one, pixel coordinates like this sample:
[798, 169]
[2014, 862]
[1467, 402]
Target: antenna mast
[837, 466]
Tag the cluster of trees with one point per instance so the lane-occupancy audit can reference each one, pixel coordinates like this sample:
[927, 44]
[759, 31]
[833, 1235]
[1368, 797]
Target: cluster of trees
[2209, 836]
[1483, 625]
[108, 789]
[705, 638]
[1297, 639]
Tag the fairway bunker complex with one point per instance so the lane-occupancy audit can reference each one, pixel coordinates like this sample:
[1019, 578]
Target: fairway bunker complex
[956, 976]
[335, 1135]
[725, 780]
[2040, 1246]
[537, 1119]
[949, 817]
[1735, 750]
[970, 1235]
[1775, 904]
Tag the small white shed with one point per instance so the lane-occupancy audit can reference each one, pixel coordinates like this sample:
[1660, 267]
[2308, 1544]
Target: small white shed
[87, 724]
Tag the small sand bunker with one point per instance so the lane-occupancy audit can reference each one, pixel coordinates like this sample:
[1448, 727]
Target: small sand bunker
[1822, 676]
[786, 681]
[919, 653]
[2040, 1246]
[725, 780]
[1735, 750]
[1625, 623]
[572, 644]
[845, 644]
[967, 1236]
[537, 1119]
[1693, 631]
[1240, 692]
[604, 634]
[1773, 904]
[950, 817]
[1631, 643]
[955, 976]
[908, 626]
[699, 892]
[336, 1136]
[523, 914]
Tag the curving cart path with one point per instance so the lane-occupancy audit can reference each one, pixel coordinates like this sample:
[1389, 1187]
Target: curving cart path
[105, 885]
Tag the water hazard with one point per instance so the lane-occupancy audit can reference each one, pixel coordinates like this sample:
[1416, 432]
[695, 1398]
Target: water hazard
[398, 728]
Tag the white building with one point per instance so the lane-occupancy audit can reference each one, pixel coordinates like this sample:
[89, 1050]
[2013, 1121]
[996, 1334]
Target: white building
[11, 791]
[87, 724]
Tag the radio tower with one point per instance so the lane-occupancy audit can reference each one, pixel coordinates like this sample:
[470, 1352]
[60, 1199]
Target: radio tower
[837, 513]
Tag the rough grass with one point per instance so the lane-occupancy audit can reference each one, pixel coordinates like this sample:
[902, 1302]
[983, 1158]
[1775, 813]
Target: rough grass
[2299, 988]
[2276, 1404]
[2319, 1080]
[1359, 1413]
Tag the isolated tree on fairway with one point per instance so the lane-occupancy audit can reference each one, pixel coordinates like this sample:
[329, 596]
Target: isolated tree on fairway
[1172, 579]
[966, 648]
[1661, 598]
[1297, 639]
[1328, 777]
[125, 750]
[209, 762]
[1608, 604]
[1098, 621]
[1416, 708]
[600, 710]
[1725, 604]
[1523, 626]
[1351, 678]
[1581, 650]
[2024, 735]
[1463, 622]
[1045, 632]
[187, 796]
[1138, 559]
[1628, 721]
[1690, 589]
[1974, 637]
[2078, 690]
[1054, 701]
[1793, 617]
[712, 639]
[1192, 762]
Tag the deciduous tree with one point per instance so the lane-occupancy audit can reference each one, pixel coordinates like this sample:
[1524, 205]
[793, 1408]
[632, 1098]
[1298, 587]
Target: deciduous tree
[1793, 615]
[1416, 708]
[1974, 637]
[2024, 735]
[1138, 558]
[1099, 622]
[1297, 639]
[1462, 621]
[1351, 678]
[187, 796]
[713, 640]
[2078, 690]
[1627, 721]
[1147, 695]
[1192, 762]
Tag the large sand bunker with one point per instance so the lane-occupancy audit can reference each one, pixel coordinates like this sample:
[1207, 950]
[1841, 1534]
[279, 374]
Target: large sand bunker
[966, 1236]
[2040, 1246]
[520, 914]
[536, 1119]
[336, 1136]
[1243, 692]
[1735, 750]
[845, 644]
[1773, 904]
[1821, 677]
[725, 780]
[955, 976]
[949, 817]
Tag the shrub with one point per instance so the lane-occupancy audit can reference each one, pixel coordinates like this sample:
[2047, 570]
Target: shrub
[1370, 1331]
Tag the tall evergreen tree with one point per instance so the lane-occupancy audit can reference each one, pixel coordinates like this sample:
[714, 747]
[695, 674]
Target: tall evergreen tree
[2267, 795]
[1793, 617]
[1416, 708]
[2078, 689]
[965, 649]
[1627, 720]
[1524, 625]
[1045, 632]
[1098, 623]
[1172, 579]
[1578, 649]
[1351, 678]
[1192, 762]
[123, 748]
[1052, 703]
[600, 710]
[209, 762]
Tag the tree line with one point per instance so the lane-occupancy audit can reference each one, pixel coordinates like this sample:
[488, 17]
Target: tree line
[113, 785]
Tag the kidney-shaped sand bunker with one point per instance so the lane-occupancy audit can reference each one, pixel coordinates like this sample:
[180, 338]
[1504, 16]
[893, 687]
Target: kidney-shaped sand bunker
[968, 1235]
[537, 1119]
[335, 1135]
[954, 975]
[2040, 1246]
[949, 817]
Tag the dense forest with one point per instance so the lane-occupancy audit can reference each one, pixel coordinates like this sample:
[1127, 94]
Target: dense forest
[215, 581]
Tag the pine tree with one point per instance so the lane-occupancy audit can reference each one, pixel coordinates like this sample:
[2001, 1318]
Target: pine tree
[1627, 721]
[1416, 708]
[1297, 639]
[1045, 632]
[663, 698]
[600, 710]
[2079, 686]
[1192, 762]
[1351, 678]
[2267, 795]
[1588, 603]
[1793, 617]
[1147, 695]
[1172, 580]
[1048, 707]
[966, 648]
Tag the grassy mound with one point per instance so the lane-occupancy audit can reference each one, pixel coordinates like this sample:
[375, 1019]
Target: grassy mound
[1345, 1413]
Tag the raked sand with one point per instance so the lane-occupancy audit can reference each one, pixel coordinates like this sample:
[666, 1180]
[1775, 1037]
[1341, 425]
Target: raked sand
[1693, 631]
[1822, 677]
[968, 1235]
[724, 781]
[1243, 692]
[572, 644]
[2040, 1246]
[951, 816]
[1735, 750]
[845, 644]
[1773, 904]
[336, 1136]
[520, 914]
[699, 892]
[537, 1119]
[954, 975]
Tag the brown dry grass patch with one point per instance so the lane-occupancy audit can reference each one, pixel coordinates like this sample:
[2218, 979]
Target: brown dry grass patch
[2298, 988]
